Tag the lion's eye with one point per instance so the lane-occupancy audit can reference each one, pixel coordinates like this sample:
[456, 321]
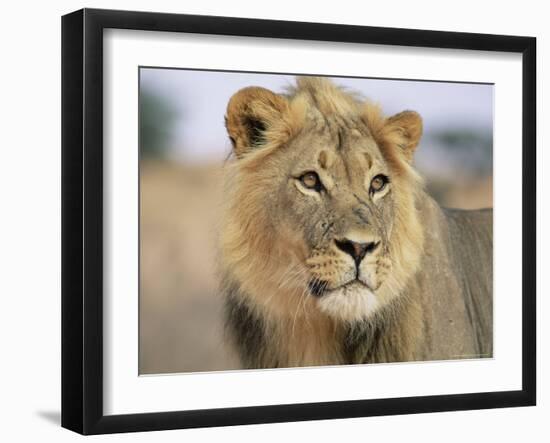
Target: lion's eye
[378, 183]
[311, 181]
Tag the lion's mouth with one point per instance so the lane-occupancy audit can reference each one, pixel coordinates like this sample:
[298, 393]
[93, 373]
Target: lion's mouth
[319, 288]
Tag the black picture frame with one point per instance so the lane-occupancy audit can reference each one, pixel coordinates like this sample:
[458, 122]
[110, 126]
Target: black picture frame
[82, 220]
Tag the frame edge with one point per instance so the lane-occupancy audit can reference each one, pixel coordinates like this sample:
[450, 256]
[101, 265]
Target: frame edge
[529, 221]
[72, 221]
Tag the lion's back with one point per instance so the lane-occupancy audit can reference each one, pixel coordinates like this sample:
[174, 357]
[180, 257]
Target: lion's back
[455, 284]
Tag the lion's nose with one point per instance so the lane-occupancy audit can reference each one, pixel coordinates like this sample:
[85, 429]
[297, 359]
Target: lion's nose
[358, 251]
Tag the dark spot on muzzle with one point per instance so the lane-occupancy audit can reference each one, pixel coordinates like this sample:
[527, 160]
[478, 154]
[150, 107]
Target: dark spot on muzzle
[317, 287]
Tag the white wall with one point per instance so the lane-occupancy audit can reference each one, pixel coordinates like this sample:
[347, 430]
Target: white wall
[30, 218]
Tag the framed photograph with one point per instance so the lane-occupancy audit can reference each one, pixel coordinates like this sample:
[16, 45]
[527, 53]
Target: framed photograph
[270, 221]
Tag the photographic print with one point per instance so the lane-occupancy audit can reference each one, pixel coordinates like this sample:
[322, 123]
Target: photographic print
[299, 220]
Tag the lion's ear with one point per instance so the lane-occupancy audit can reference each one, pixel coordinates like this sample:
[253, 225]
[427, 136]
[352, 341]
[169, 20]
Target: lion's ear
[255, 116]
[404, 131]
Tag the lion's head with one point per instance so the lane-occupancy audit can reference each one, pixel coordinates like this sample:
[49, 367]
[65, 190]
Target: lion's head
[321, 196]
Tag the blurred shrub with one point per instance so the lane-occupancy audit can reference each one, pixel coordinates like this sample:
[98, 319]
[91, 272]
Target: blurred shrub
[472, 150]
[157, 117]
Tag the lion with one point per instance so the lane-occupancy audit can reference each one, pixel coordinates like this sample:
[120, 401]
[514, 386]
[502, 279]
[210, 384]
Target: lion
[331, 251]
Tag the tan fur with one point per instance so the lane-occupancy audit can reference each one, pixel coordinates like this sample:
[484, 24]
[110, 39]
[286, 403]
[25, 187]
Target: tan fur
[263, 250]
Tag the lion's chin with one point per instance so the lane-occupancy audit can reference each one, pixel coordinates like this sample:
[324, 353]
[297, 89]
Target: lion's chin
[352, 302]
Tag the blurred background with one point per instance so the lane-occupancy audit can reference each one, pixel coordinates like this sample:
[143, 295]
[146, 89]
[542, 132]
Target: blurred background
[183, 145]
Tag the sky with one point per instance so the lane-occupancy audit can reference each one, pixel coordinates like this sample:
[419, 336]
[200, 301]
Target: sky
[201, 97]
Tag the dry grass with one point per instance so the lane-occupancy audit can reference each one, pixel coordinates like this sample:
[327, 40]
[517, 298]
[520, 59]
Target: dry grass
[180, 309]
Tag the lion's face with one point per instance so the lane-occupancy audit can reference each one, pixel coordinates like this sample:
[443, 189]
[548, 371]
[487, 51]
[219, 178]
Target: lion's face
[336, 196]
[326, 202]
